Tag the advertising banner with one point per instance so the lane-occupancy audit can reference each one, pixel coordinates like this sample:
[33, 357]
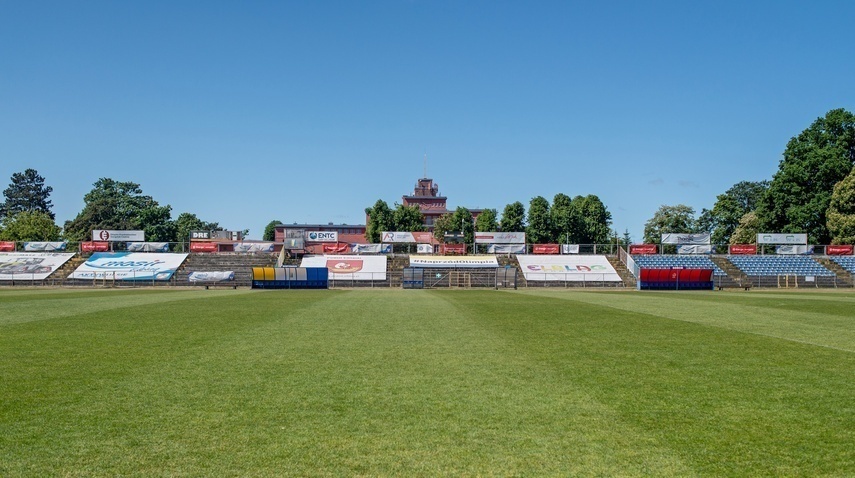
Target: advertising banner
[408, 237]
[839, 250]
[454, 262]
[694, 249]
[349, 267]
[773, 238]
[699, 238]
[567, 268]
[643, 249]
[321, 236]
[791, 250]
[7, 246]
[31, 265]
[204, 247]
[148, 246]
[44, 246]
[743, 249]
[546, 249]
[200, 235]
[129, 266]
[94, 246]
[506, 248]
[371, 248]
[253, 247]
[118, 236]
[452, 249]
[499, 238]
[336, 248]
[227, 235]
[569, 248]
[211, 276]
[424, 248]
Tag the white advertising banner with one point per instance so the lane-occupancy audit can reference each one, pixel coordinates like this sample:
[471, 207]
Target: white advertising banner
[321, 236]
[699, 238]
[211, 276]
[371, 248]
[118, 236]
[506, 248]
[569, 248]
[398, 237]
[129, 266]
[499, 238]
[148, 246]
[694, 249]
[567, 268]
[799, 249]
[31, 265]
[774, 238]
[44, 246]
[253, 247]
[454, 262]
[424, 248]
[349, 267]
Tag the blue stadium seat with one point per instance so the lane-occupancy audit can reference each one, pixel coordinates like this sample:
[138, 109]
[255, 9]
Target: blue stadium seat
[779, 265]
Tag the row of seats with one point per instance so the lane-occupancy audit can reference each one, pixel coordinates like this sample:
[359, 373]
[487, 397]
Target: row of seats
[846, 262]
[686, 261]
[779, 265]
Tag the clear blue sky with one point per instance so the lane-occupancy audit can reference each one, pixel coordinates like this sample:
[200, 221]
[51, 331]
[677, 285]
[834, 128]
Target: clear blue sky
[245, 112]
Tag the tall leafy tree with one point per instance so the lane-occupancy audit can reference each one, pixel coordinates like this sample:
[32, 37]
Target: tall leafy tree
[742, 198]
[379, 219]
[513, 218]
[747, 230]
[26, 192]
[814, 161]
[408, 218]
[673, 219]
[841, 211]
[270, 230]
[443, 224]
[486, 221]
[539, 229]
[462, 220]
[596, 220]
[29, 226]
[564, 220]
[186, 222]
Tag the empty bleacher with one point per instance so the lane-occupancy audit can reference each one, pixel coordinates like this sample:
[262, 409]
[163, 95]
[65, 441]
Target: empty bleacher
[779, 266]
[686, 261]
[846, 262]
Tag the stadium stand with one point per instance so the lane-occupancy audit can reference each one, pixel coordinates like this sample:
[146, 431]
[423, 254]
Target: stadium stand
[846, 262]
[686, 261]
[779, 265]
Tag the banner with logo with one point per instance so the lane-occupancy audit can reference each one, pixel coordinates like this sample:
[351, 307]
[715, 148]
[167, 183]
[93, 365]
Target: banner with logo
[643, 249]
[31, 265]
[790, 250]
[546, 249]
[408, 237]
[567, 268]
[454, 262]
[371, 248]
[253, 247]
[569, 248]
[774, 238]
[211, 276]
[129, 266]
[506, 248]
[148, 246]
[452, 249]
[321, 236]
[118, 236]
[204, 247]
[424, 248]
[349, 267]
[200, 235]
[44, 246]
[94, 246]
[673, 238]
[694, 249]
[839, 250]
[7, 246]
[742, 249]
[336, 248]
[499, 238]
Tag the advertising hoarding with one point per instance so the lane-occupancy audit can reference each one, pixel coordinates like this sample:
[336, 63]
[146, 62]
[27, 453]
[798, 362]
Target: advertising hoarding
[321, 236]
[349, 267]
[778, 238]
[567, 268]
[499, 238]
[454, 262]
[108, 235]
[697, 239]
[31, 265]
[129, 266]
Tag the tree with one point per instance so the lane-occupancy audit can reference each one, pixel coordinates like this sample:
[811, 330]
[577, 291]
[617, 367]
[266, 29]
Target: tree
[596, 220]
[564, 220]
[443, 224]
[814, 161]
[30, 226]
[408, 218]
[27, 192]
[187, 222]
[742, 198]
[747, 230]
[486, 221]
[841, 211]
[539, 229]
[379, 219]
[673, 219]
[270, 230]
[513, 218]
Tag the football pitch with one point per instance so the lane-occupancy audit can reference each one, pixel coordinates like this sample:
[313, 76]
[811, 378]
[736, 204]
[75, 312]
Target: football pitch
[425, 383]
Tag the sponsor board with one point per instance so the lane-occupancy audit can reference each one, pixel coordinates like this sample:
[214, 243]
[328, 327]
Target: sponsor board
[452, 249]
[569, 248]
[791, 250]
[742, 249]
[694, 249]
[454, 262]
[321, 236]
[775, 238]
[567, 268]
[200, 235]
[44, 246]
[31, 265]
[129, 266]
[840, 250]
[148, 246]
[7, 246]
[371, 248]
[643, 249]
[211, 276]
[407, 237]
[697, 239]
[349, 267]
[506, 248]
[424, 248]
[118, 236]
[253, 247]
[499, 238]
[336, 248]
[204, 247]
[94, 246]
[545, 249]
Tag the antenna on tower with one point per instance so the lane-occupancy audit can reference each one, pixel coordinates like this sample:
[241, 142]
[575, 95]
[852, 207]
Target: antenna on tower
[425, 165]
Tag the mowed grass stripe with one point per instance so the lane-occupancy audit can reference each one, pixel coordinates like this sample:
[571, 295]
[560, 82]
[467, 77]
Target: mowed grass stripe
[826, 320]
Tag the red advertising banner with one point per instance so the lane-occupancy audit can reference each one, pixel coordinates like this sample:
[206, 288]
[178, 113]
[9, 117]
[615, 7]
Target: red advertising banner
[93, 246]
[7, 246]
[643, 248]
[743, 249]
[546, 248]
[452, 249]
[840, 250]
[336, 248]
[204, 247]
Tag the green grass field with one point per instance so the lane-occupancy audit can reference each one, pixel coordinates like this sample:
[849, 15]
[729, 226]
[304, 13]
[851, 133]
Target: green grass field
[426, 383]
